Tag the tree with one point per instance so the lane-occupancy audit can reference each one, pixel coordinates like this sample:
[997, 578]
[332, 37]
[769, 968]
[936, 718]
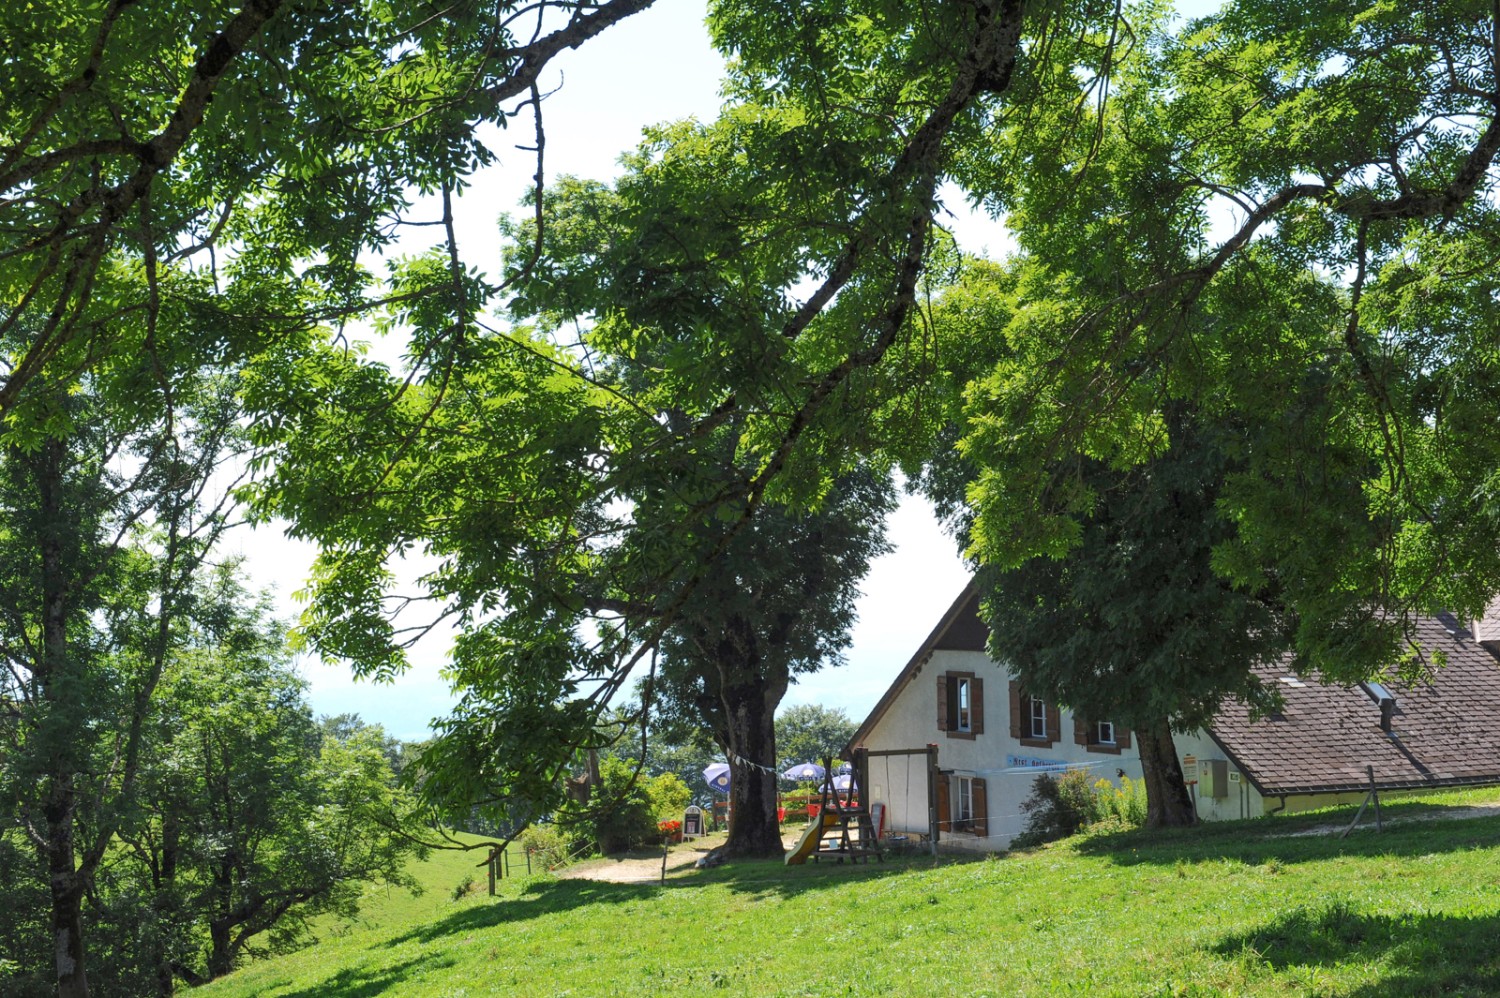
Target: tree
[810, 732]
[255, 821]
[781, 602]
[767, 278]
[269, 144]
[110, 515]
[1133, 624]
[1352, 161]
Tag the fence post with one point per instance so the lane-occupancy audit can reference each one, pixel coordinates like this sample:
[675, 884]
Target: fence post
[492, 871]
[932, 816]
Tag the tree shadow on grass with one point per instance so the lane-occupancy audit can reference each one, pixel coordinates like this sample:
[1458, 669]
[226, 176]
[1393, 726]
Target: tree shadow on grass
[361, 982]
[1260, 840]
[1416, 954]
[541, 898]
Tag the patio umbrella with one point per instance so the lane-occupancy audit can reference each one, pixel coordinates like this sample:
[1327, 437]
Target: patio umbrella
[843, 768]
[841, 783]
[805, 771]
[717, 776]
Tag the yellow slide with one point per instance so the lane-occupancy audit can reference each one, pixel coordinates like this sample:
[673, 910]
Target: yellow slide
[808, 843]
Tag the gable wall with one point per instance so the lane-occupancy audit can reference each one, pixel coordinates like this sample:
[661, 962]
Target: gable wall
[1002, 761]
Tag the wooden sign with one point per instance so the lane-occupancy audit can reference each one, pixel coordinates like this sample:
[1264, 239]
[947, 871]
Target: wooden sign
[692, 822]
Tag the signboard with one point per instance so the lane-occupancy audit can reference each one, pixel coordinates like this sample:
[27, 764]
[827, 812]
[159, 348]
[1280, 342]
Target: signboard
[1033, 762]
[692, 822]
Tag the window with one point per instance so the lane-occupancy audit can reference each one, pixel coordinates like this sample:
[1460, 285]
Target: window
[1038, 717]
[960, 704]
[963, 806]
[1034, 722]
[1100, 736]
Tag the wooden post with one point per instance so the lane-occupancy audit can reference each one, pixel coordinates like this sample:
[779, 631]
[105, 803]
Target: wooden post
[491, 864]
[932, 815]
[1375, 796]
[862, 778]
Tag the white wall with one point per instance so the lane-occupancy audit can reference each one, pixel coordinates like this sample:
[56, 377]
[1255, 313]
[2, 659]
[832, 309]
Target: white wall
[1242, 800]
[911, 723]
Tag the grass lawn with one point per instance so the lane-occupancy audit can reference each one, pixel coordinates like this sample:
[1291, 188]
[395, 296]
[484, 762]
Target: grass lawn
[1228, 909]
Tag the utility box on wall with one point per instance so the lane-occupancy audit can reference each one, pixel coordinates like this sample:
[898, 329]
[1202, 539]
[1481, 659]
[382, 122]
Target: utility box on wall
[1213, 778]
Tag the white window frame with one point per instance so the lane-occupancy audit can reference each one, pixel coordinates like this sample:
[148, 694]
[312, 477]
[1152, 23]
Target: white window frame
[1100, 729]
[963, 805]
[962, 704]
[1039, 718]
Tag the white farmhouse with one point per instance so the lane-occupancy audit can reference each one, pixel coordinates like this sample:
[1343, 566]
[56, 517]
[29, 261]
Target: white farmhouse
[992, 738]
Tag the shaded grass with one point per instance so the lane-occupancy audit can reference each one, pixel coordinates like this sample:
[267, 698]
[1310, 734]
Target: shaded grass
[1226, 909]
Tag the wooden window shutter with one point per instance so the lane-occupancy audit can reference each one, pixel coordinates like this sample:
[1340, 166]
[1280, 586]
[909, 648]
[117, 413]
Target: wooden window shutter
[944, 810]
[1015, 709]
[980, 801]
[976, 705]
[1054, 723]
[1080, 730]
[1122, 736]
[942, 694]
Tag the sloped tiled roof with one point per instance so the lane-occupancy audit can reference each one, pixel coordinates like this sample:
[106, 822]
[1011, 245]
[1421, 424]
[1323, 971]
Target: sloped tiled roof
[1442, 733]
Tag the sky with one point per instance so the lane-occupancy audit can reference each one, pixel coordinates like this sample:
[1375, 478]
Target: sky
[653, 67]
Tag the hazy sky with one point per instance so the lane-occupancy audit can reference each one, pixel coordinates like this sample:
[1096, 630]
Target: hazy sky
[653, 67]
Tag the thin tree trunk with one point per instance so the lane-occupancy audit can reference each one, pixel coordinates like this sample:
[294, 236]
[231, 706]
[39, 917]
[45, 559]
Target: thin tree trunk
[1168, 803]
[65, 880]
[67, 897]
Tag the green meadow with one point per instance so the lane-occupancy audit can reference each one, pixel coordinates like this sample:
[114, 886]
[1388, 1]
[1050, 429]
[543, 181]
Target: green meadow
[1245, 908]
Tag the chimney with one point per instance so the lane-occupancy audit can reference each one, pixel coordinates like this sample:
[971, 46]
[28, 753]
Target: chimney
[1384, 699]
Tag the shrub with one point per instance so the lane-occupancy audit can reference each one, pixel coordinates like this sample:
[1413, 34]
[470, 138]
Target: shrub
[669, 796]
[1062, 806]
[545, 843]
[1048, 814]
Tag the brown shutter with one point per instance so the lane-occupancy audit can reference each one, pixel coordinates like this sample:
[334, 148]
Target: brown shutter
[1054, 723]
[976, 705]
[1080, 730]
[943, 702]
[980, 800]
[1015, 709]
[1122, 736]
[944, 810]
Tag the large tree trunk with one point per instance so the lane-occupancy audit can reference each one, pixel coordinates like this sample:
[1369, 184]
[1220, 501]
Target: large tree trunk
[1168, 803]
[750, 722]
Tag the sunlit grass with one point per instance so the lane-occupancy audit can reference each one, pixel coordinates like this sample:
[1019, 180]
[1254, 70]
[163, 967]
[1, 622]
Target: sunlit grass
[1235, 908]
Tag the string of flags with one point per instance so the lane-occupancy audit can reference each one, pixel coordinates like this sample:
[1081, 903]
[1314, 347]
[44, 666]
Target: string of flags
[735, 757]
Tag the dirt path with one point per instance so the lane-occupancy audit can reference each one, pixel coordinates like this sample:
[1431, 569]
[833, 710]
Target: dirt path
[1475, 811]
[642, 868]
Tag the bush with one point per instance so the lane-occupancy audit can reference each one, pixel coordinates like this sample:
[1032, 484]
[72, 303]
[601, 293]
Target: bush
[1062, 806]
[545, 843]
[625, 809]
[1049, 814]
[669, 796]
